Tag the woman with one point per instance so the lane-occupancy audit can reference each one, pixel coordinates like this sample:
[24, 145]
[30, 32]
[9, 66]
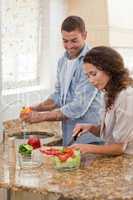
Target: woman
[105, 69]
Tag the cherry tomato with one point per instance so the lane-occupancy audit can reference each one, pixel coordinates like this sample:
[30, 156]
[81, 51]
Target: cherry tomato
[34, 141]
[63, 157]
[69, 151]
[50, 151]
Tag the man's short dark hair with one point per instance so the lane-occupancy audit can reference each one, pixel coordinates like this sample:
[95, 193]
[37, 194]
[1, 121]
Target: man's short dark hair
[73, 23]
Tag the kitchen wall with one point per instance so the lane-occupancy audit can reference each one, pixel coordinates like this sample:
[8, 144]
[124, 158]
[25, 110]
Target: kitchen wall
[108, 22]
[94, 12]
[121, 23]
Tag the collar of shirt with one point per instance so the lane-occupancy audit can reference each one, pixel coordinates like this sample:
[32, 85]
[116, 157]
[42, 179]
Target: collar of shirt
[82, 53]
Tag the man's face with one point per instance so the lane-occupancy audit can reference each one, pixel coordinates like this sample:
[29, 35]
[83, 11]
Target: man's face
[73, 42]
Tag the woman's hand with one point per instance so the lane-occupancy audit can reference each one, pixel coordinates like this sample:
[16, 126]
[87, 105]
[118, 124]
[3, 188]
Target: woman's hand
[105, 149]
[84, 148]
[79, 129]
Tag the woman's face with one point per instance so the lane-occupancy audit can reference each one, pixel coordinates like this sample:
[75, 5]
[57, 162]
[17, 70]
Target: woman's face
[97, 77]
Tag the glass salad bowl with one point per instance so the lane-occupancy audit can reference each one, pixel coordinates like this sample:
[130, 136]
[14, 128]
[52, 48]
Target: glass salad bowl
[61, 158]
[28, 157]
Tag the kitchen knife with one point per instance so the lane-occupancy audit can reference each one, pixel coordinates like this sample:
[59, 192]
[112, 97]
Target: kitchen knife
[73, 139]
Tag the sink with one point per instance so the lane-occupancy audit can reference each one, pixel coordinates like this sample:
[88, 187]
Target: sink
[25, 135]
[49, 139]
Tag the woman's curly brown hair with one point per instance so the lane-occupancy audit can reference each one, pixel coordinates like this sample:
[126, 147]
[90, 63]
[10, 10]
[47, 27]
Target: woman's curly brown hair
[111, 62]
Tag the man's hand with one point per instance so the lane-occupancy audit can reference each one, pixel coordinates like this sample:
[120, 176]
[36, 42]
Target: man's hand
[33, 117]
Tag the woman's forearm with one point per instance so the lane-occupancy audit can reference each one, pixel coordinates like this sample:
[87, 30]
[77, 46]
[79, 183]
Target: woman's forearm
[108, 149]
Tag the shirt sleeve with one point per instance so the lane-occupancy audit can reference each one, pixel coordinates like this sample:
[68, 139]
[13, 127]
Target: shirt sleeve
[123, 130]
[84, 96]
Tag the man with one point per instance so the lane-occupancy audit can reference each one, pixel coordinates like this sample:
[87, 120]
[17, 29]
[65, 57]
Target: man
[74, 100]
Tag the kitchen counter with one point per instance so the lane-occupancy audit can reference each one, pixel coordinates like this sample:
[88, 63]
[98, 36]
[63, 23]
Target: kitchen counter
[99, 178]
[15, 126]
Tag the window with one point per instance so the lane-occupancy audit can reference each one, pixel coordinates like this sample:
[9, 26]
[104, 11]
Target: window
[20, 42]
[127, 54]
[30, 38]
[121, 29]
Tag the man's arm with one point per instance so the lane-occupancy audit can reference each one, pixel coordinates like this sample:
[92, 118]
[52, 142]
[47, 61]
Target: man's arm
[47, 105]
[85, 97]
[34, 117]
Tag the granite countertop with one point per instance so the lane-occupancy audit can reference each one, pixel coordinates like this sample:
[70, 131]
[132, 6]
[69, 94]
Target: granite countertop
[99, 178]
[15, 126]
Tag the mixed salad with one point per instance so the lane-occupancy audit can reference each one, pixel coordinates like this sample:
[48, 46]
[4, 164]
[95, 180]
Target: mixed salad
[63, 158]
[25, 149]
